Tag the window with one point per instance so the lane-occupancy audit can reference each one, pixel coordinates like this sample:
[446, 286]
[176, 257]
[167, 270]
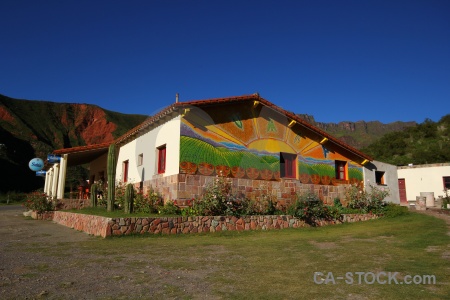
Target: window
[161, 159]
[340, 169]
[288, 165]
[125, 171]
[140, 159]
[446, 180]
[379, 177]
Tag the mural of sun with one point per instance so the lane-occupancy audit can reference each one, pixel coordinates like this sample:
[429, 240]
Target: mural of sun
[246, 141]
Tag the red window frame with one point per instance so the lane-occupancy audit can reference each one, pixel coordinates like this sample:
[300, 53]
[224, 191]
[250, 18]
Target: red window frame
[341, 170]
[288, 165]
[161, 159]
[125, 171]
[446, 182]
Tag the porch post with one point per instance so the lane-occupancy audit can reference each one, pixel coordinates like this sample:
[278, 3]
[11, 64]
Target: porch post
[55, 180]
[47, 175]
[62, 177]
[49, 182]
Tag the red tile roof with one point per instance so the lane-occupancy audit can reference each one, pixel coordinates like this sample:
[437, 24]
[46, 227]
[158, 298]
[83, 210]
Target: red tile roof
[208, 102]
[82, 148]
[244, 98]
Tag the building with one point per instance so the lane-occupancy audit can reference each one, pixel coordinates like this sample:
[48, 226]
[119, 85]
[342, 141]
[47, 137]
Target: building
[262, 149]
[416, 179]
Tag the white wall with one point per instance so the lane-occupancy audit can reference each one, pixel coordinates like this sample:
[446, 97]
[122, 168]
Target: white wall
[424, 178]
[390, 179]
[166, 134]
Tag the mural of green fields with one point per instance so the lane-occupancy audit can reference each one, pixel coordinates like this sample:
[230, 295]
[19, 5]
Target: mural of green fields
[206, 158]
[322, 173]
[200, 157]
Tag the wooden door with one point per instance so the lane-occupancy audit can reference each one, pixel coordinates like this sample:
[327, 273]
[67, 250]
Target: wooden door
[402, 191]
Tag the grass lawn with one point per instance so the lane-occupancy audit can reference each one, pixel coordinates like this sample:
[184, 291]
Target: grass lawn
[280, 264]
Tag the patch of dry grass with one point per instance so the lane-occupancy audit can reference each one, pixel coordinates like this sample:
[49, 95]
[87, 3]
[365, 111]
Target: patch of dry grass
[280, 264]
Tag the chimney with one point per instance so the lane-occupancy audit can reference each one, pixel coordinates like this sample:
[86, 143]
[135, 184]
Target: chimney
[176, 97]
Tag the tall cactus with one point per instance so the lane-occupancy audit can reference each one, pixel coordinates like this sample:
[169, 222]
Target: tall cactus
[129, 198]
[94, 190]
[111, 177]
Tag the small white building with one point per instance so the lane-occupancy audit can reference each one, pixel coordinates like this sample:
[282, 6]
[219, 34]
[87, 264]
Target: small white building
[429, 178]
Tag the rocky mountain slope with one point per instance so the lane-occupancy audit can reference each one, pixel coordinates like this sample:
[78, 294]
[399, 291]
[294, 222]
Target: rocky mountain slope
[358, 134]
[30, 128]
[35, 128]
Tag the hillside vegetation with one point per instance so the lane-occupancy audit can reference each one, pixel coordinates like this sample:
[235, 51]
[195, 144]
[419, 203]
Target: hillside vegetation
[358, 134]
[426, 143]
[35, 128]
[30, 128]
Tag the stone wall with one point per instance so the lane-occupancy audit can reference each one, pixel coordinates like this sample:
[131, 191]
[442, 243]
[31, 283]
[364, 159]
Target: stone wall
[95, 225]
[102, 226]
[46, 215]
[185, 187]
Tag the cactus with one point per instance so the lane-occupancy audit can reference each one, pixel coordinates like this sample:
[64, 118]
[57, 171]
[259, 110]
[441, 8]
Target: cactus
[111, 177]
[94, 190]
[129, 198]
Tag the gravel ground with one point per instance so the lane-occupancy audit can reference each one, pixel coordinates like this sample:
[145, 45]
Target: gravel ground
[44, 260]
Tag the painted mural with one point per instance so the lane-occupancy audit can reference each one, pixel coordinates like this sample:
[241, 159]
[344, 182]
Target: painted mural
[246, 142]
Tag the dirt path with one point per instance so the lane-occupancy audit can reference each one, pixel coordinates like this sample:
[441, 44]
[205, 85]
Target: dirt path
[438, 213]
[43, 260]
[23, 265]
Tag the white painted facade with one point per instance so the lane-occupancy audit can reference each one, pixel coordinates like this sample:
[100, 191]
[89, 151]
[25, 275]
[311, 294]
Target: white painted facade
[168, 134]
[390, 179]
[424, 178]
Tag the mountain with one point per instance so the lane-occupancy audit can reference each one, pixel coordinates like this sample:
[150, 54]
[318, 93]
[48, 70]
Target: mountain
[35, 128]
[358, 134]
[426, 143]
[31, 128]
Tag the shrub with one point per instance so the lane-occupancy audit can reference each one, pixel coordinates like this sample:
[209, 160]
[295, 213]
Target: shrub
[309, 208]
[218, 200]
[147, 203]
[11, 197]
[394, 210]
[445, 199]
[370, 201]
[119, 199]
[169, 208]
[337, 203]
[189, 211]
[266, 205]
[38, 201]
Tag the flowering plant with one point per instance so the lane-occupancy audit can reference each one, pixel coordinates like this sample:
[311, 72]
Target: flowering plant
[38, 201]
[370, 200]
[148, 202]
[218, 199]
[310, 209]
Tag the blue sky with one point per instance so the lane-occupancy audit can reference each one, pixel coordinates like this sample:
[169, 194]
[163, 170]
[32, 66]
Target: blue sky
[336, 60]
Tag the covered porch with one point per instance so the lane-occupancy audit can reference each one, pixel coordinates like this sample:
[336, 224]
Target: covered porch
[55, 178]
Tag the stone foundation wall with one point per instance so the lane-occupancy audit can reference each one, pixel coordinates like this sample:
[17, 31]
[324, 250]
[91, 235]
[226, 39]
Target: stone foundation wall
[102, 226]
[350, 218]
[95, 225]
[185, 187]
[47, 215]
[177, 225]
